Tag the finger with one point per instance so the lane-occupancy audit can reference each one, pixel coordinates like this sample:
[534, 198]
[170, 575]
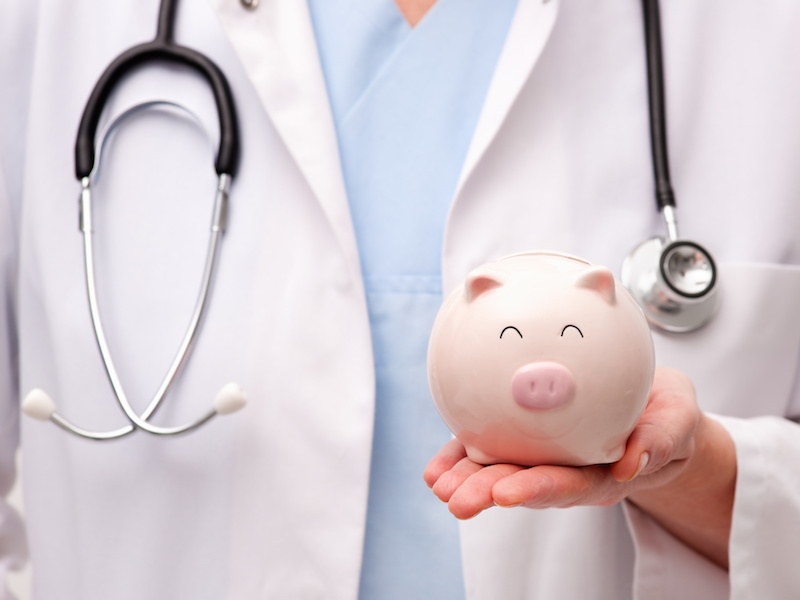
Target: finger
[475, 493]
[651, 447]
[452, 479]
[553, 486]
[665, 431]
[632, 463]
[449, 455]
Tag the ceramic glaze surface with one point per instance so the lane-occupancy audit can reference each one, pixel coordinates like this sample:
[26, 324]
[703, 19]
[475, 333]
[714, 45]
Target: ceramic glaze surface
[541, 358]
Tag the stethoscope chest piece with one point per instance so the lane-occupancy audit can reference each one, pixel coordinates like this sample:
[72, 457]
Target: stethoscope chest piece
[674, 282]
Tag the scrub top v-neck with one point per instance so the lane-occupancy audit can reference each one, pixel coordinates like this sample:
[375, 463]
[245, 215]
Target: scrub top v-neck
[405, 102]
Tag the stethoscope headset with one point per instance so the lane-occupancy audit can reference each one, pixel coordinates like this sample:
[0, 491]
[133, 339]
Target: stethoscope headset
[673, 280]
[230, 398]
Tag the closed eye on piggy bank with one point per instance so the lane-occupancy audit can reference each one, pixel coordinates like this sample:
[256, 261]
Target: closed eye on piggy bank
[541, 358]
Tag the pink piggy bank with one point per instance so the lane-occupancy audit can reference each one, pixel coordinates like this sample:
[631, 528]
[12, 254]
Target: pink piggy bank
[541, 358]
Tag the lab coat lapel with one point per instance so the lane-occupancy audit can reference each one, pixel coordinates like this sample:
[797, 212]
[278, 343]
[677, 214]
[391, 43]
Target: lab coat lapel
[277, 47]
[527, 37]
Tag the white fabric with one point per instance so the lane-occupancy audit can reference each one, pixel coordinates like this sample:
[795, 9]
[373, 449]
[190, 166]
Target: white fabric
[271, 502]
[765, 516]
[12, 541]
[15, 21]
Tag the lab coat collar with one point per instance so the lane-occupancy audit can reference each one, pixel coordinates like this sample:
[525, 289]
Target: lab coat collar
[277, 47]
[529, 32]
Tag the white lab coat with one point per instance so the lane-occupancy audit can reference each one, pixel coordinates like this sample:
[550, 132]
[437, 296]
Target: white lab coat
[271, 502]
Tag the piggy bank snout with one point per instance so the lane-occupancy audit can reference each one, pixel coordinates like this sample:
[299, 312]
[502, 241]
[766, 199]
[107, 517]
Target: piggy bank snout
[542, 386]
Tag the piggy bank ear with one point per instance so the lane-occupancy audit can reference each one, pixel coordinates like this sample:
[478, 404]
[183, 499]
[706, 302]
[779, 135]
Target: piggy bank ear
[599, 279]
[479, 282]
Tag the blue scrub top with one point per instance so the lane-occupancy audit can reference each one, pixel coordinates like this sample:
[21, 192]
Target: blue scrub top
[405, 103]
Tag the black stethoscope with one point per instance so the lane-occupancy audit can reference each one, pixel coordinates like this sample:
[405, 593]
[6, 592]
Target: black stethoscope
[672, 279]
[231, 397]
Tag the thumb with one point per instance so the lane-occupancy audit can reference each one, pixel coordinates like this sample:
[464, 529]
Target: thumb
[665, 431]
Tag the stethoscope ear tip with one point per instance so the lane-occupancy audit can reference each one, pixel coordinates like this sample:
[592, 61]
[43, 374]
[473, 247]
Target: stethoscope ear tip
[229, 399]
[38, 405]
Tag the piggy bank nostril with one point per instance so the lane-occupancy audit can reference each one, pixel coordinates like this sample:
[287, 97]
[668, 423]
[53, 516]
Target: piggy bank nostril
[542, 386]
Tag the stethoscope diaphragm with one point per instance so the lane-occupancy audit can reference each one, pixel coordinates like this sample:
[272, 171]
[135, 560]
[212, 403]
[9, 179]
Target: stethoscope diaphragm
[674, 282]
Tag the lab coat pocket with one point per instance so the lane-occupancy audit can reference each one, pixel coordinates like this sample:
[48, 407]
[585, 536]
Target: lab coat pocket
[743, 363]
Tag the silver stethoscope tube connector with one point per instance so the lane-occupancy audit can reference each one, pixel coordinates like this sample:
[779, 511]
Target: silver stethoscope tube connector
[671, 219]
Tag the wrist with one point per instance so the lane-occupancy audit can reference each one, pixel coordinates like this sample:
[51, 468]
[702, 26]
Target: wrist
[697, 504]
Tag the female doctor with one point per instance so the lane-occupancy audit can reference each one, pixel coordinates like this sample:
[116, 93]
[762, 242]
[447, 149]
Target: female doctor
[341, 235]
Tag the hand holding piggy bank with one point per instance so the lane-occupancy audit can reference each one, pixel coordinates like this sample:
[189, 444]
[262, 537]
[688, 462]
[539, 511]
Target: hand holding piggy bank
[541, 358]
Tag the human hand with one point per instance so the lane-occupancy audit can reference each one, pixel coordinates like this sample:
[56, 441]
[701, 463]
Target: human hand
[657, 452]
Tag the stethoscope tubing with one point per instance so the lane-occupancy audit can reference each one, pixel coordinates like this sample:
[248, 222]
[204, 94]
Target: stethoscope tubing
[160, 49]
[664, 194]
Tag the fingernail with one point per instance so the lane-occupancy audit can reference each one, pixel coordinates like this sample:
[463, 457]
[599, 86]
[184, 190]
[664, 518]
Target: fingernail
[643, 460]
[509, 505]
